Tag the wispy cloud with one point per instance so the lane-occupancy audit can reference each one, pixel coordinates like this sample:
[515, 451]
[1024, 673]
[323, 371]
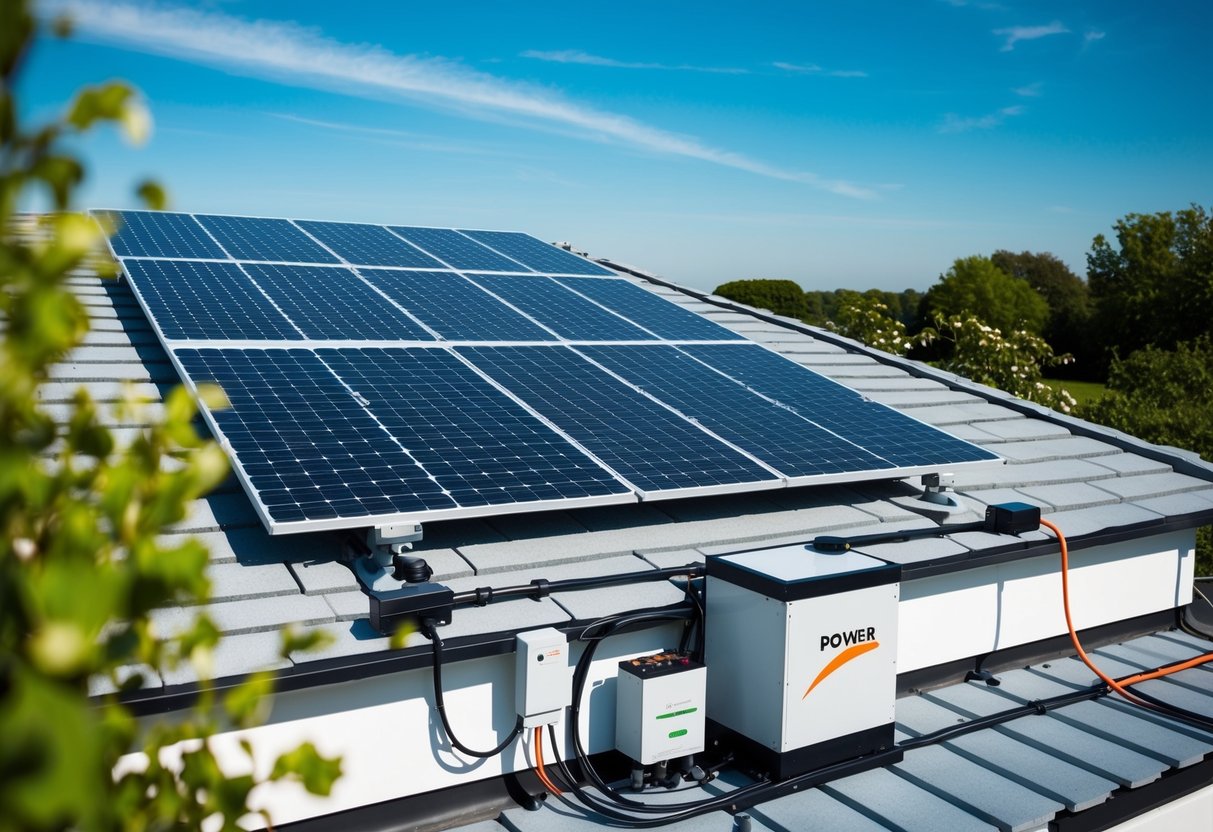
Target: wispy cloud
[1015, 34]
[976, 4]
[291, 54]
[1093, 35]
[814, 69]
[398, 138]
[576, 56]
[1034, 90]
[953, 123]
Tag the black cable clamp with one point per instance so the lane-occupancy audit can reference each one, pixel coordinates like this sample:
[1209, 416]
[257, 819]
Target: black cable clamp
[542, 587]
[483, 597]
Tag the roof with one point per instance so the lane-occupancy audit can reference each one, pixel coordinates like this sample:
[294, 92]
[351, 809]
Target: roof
[1098, 484]
[1017, 776]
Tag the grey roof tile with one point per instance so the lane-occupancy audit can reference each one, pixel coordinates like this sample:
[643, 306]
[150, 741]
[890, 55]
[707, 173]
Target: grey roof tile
[676, 557]
[349, 605]
[1018, 475]
[346, 638]
[1099, 518]
[501, 617]
[590, 604]
[101, 685]
[233, 581]
[1173, 505]
[923, 398]
[235, 655]
[1067, 497]
[77, 373]
[901, 804]
[1129, 463]
[217, 511]
[886, 384]
[953, 414]
[1036, 450]
[993, 496]
[59, 392]
[991, 797]
[915, 551]
[813, 809]
[248, 616]
[321, 576]
[1015, 427]
[251, 545]
[1152, 485]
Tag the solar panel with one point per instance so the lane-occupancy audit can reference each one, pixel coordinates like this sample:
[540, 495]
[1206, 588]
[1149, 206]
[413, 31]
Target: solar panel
[368, 245]
[457, 250]
[538, 255]
[373, 380]
[482, 447]
[659, 316]
[881, 429]
[454, 307]
[191, 300]
[308, 449]
[785, 440]
[158, 234]
[568, 314]
[257, 238]
[653, 448]
[334, 304]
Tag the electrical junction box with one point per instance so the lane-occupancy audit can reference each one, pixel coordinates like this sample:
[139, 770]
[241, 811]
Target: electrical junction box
[659, 707]
[543, 682]
[802, 655]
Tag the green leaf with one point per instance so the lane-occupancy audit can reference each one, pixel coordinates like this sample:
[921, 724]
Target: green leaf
[305, 763]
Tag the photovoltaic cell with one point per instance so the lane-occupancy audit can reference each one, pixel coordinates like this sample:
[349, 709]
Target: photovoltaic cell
[158, 234]
[454, 307]
[777, 436]
[197, 300]
[536, 254]
[881, 429]
[571, 316]
[307, 447]
[256, 238]
[667, 320]
[457, 250]
[368, 245]
[334, 304]
[482, 447]
[651, 447]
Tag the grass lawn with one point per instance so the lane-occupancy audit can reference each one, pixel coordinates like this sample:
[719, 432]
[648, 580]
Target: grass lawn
[1083, 391]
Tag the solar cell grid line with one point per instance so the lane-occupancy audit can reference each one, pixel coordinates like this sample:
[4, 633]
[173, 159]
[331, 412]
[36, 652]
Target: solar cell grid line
[161, 234]
[334, 304]
[657, 451]
[895, 436]
[661, 317]
[565, 313]
[261, 238]
[310, 454]
[454, 307]
[367, 245]
[536, 254]
[457, 250]
[483, 448]
[777, 436]
[196, 300]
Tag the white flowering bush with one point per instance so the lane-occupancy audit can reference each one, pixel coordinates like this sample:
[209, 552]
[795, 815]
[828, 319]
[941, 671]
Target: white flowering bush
[1013, 362]
[871, 322]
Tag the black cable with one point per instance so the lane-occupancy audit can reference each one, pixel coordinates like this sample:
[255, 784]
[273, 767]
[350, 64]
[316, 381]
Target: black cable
[440, 703]
[1174, 711]
[540, 588]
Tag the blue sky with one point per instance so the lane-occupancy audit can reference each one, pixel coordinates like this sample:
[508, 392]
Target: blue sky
[844, 144]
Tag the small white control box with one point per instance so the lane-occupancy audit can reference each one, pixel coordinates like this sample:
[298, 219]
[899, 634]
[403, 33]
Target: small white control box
[659, 707]
[543, 683]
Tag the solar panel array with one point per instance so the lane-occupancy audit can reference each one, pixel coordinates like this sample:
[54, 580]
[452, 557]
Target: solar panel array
[378, 374]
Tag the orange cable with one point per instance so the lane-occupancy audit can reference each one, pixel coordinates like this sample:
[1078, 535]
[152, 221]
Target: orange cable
[1121, 686]
[539, 769]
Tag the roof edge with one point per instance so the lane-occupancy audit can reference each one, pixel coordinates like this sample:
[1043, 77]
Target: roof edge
[1181, 460]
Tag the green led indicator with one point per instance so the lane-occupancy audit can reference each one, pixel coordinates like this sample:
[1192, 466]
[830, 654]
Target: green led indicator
[681, 732]
[673, 714]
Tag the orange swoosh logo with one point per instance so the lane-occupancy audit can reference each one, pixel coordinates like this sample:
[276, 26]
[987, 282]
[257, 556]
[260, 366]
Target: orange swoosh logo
[852, 652]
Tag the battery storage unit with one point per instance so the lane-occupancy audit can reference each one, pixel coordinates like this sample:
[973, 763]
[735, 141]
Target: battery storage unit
[802, 655]
[659, 707]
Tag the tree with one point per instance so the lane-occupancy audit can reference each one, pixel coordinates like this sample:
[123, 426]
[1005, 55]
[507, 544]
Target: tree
[1166, 397]
[1013, 362]
[82, 562]
[975, 286]
[1068, 299]
[1155, 287]
[868, 319]
[783, 297]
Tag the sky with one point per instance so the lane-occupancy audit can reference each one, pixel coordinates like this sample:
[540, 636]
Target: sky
[858, 144]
